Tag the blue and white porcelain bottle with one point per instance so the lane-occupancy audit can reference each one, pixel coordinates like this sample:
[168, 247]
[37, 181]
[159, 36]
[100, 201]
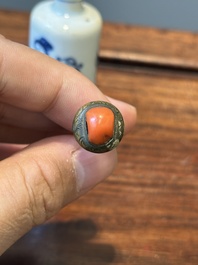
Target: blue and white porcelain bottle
[69, 31]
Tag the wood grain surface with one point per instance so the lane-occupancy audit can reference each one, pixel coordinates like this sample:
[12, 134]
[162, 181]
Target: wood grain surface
[146, 213]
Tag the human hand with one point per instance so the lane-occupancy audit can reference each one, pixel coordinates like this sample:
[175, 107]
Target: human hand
[42, 167]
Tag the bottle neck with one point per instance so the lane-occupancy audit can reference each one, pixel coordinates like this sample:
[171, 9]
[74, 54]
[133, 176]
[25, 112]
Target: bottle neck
[68, 6]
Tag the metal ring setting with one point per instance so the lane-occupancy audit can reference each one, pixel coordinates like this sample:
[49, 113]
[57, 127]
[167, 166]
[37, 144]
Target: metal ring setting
[80, 129]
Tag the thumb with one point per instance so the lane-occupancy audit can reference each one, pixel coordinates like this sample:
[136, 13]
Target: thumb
[38, 181]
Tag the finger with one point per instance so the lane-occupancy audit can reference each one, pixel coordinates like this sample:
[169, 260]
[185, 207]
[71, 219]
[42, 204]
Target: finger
[45, 85]
[41, 179]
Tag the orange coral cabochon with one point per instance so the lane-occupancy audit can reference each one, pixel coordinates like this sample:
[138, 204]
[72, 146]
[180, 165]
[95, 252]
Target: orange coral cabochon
[100, 125]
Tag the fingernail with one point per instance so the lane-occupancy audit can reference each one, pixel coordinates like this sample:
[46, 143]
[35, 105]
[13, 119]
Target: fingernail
[92, 168]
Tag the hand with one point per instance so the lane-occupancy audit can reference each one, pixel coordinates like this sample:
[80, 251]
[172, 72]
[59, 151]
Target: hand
[42, 168]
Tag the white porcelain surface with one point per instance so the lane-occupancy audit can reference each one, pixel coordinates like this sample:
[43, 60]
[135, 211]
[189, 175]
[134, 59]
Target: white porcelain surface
[68, 31]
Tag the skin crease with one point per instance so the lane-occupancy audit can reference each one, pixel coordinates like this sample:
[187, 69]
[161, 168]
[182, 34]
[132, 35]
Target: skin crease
[42, 167]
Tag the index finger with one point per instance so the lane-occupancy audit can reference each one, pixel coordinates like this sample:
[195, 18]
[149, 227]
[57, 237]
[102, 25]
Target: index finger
[35, 82]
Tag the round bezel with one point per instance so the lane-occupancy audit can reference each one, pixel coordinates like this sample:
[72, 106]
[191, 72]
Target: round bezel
[81, 133]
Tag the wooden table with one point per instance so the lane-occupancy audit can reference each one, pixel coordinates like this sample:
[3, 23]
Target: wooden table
[146, 213]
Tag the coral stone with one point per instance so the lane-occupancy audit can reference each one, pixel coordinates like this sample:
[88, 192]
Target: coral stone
[100, 125]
